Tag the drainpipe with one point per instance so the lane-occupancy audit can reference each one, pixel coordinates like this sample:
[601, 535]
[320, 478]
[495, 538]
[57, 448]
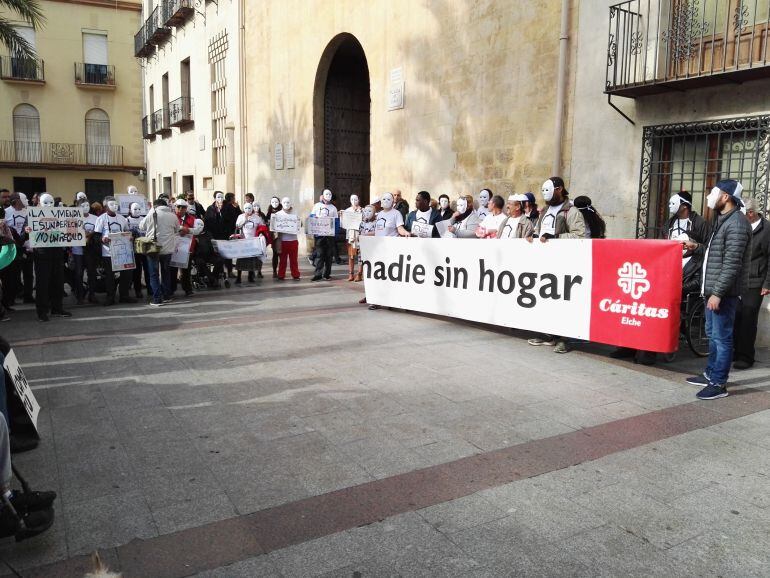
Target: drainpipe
[561, 88]
[242, 102]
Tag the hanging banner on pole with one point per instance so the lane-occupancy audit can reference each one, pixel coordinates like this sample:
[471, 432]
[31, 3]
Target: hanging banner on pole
[619, 292]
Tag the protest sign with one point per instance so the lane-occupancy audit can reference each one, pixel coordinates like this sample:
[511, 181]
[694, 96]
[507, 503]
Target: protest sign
[350, 219]
[56, 227]
[288, 224]
[423, 230]
[241, 248]
[442, 227]
[180, 258]
[122, 251]
[20, 384]
[320, 226]
[620, 292]
[125, 204]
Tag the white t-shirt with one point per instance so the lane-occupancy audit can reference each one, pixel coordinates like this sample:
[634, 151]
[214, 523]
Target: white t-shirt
[324, 210]
[106, 224]
[548, 224]
[248, 225]
[286, 236]
[88, 225]
[16, 219]
[422, 216]
[509, 231]
[387, 223]
[491, 224]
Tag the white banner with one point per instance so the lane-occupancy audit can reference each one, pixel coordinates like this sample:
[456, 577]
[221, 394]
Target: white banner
[21, 386]
[241, 248]
[543, 287]
[320, 226]
[180, 258]
[288, 224]
[350, 219]
[125, 202]
[122, 251]
[56, 227]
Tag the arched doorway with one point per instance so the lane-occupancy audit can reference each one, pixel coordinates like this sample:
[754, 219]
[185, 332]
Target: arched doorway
[341, 121]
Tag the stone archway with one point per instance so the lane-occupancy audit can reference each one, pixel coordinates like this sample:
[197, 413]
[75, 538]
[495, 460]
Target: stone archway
[341, 121]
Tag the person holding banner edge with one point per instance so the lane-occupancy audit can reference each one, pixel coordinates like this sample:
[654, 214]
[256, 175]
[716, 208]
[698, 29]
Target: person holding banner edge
[559, 220]
[324, 245]
[352, 238]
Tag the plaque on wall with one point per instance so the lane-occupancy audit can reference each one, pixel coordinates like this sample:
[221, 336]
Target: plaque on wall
[289, 155]
[278, 156]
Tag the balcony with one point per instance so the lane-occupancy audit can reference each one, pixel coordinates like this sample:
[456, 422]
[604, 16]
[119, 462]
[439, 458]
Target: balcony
[656, 46]
[142, 48]
[29, 70]
[160, 123]
[180, 111]
[95, 75]
[147, 130]
[60, 155]
[156, 31]
[176, 12]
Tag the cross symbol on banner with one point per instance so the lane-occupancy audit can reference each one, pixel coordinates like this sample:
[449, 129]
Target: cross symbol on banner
[632, 279]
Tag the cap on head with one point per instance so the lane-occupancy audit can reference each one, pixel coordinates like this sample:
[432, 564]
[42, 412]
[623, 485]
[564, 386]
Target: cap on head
[181, 203]
[732, 188]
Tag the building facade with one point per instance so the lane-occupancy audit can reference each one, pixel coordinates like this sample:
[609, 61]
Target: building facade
[70, 114]
[191, 58]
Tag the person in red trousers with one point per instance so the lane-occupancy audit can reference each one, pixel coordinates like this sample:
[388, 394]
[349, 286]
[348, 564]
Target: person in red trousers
[289, 245]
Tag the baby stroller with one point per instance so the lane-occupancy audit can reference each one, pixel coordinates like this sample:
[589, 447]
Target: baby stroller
[206, 266]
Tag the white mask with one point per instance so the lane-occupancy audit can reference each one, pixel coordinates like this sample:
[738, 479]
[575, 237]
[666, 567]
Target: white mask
[713, 197]
[286, 202]
[353, 200]
[443, 203]
[547, 190]
[134, 210]
[248, 208]
[132, 190]
[484, 198]
[368, 213]
[85, 207]
[257, 208]
[275, 203]
[46, 200]
[113, 206]
[674, 203]
[219, 197]
[462, 205]
[327, 196]
[387, 201]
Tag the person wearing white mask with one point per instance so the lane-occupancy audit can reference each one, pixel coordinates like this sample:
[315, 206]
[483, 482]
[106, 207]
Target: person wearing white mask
[389, 222]
[559, 220]
[444, 208]
[86, 257]
[289, 245]
[110, 221]
[490, 225]
[134, 218]
[464, 221]
[485, 195]
[351, 235]
[275, 239]
[324, 245]
[23, 266]
[49, 275]
[246, 227]
[188, 225]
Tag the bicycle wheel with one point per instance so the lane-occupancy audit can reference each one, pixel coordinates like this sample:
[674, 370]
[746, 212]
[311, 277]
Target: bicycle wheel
[696, 329]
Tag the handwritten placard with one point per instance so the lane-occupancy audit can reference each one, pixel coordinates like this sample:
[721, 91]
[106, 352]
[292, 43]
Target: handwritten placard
[180, 258]
[422, 230]
[21, 385]
[288, 224]
[350, 219]
[56, 227]
[125, 202]
[320, 226]
[241, 248]
[122, 251]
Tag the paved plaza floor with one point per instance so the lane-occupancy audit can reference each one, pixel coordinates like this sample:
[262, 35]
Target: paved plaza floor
[285, 430]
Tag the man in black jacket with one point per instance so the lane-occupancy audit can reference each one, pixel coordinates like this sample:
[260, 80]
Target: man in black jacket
[759, 285]
[725, 278]
[423, 214]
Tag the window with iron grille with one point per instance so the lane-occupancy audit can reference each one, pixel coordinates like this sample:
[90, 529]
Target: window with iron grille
[217, 53]
[692, 157]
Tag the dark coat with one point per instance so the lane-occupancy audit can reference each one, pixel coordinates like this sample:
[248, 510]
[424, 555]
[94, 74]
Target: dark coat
[213, 222]
[760, 256]
[699, 229]
[729, 256]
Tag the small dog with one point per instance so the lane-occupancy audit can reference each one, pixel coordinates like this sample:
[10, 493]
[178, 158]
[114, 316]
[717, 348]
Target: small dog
[100, 569]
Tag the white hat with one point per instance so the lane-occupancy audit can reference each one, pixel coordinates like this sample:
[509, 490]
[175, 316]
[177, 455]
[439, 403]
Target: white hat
[374, 200]
[522, 198]
[180, 203]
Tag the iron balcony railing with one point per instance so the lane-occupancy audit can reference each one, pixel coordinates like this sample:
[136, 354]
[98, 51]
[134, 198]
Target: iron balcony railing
[659, 45]
[56, 153]
[157, 32]
[176, 12]
[180, 111]
[147, 129]
[160, 123]
[96, 74]
[30, 69]
[142, 46]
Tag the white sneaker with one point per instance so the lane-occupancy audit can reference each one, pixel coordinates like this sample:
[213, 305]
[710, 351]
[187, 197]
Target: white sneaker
[540, 341]
[153, 304]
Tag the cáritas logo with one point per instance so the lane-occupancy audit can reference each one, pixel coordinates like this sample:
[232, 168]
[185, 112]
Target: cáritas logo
[632, 279]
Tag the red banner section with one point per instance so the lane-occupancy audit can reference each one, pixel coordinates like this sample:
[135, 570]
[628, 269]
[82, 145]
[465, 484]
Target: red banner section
[636, 294]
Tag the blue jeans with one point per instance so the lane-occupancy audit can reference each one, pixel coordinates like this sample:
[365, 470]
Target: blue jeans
[160, 276]
[719, 329]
